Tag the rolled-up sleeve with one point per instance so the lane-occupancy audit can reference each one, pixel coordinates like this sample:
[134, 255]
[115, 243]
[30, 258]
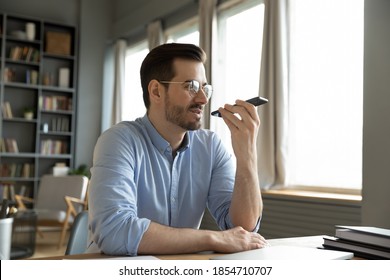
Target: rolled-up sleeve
[114, 224]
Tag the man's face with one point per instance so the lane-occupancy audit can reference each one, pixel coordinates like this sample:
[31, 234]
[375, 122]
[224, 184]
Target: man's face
[182, 107]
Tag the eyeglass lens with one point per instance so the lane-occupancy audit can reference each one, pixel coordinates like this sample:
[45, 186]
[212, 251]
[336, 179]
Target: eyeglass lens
[195, 87]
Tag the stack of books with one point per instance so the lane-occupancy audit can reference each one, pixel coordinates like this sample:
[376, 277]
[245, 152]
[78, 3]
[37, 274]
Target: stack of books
[364, 242]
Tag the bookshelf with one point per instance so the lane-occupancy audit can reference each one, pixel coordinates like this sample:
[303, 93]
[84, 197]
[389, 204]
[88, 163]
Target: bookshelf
[37, 95]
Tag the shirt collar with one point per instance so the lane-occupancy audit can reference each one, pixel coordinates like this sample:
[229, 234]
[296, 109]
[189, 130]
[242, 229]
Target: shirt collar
[186, 142]
[158, 141]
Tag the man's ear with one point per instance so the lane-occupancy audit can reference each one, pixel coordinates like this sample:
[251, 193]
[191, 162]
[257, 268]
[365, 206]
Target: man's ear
[154, 91]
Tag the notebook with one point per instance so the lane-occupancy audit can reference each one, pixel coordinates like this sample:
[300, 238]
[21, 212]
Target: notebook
[282, 252]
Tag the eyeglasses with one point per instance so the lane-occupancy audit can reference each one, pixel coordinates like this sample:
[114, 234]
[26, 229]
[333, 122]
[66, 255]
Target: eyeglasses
[193, 87]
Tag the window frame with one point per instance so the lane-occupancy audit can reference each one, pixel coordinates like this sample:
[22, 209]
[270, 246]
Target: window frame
[224, 11]
[181, 29]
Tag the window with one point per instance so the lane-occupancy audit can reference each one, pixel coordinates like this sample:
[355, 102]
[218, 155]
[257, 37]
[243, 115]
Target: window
[133, 103]
[326, 93]
[237, 73]
[186, 32]
[325, 85]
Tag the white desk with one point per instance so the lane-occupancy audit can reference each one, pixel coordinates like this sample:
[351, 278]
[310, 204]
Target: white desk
[306, 241]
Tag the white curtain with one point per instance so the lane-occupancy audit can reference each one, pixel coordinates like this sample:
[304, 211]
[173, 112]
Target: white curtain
[113, 84]
[155, 34]
[207, 33]
[272, 142]
[108, 84]
[119, 81]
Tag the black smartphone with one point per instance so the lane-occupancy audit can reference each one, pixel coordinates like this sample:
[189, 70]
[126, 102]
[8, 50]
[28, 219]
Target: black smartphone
[256, 101]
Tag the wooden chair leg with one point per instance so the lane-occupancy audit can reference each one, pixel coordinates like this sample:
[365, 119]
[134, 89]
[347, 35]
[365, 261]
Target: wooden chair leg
[40, 233]
[62, 237]
[71, 210]
[64, 229]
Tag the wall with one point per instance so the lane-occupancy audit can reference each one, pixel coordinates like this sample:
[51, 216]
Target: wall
[376, 135]
[66, 12]
[95, 29]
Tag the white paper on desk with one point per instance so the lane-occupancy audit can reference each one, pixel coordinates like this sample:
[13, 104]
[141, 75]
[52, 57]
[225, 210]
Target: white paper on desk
[282, 252]
[129, 258]
[124, 258]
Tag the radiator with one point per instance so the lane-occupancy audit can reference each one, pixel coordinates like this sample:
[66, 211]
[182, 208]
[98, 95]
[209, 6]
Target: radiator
[290, 217]
[295, 216]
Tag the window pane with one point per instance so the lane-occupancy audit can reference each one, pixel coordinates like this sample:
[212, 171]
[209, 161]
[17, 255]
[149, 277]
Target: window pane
[190, 38]
[238, 70]
[187, 32]
[133, 103]
[326, 93]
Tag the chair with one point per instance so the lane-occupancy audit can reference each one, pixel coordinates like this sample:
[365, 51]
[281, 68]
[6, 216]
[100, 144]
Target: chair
[54, 202]
[24, 230]
[77, 243]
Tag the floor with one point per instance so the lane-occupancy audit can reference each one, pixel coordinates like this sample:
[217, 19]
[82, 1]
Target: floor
[47, 245]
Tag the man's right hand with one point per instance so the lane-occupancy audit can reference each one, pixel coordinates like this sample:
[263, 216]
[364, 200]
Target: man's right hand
[237, 239]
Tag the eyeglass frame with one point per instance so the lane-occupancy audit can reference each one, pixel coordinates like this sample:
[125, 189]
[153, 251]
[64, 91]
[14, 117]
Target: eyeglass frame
[205, 88]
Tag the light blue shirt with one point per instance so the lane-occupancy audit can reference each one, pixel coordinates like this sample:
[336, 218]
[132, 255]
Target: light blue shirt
[135, 180]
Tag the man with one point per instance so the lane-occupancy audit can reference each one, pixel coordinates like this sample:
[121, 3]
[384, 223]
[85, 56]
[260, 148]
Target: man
[152, 178]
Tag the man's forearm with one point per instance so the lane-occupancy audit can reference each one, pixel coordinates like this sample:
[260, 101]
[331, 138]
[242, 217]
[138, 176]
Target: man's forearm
[160, 239]
[246, 206]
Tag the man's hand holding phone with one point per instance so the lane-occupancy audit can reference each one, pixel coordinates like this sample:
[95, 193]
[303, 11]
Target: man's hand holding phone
[255, 101]
[243, 122]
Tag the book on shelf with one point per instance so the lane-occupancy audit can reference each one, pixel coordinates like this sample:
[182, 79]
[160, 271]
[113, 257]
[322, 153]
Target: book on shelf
[9, 145]
[55, 102]
[21, 170]
[60, 124]
[3, 149]
[367, 235]
[32, 77]
[6, 110]
[9, 75]
[359, 249]
[22, 190]
[28, 170]
[24, 53]
[7, 191]
[54, 147]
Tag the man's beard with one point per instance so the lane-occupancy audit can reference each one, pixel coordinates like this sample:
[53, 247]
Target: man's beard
[176, 115]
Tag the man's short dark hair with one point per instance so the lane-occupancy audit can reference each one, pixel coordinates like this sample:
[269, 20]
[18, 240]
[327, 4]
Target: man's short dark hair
[158, 64]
